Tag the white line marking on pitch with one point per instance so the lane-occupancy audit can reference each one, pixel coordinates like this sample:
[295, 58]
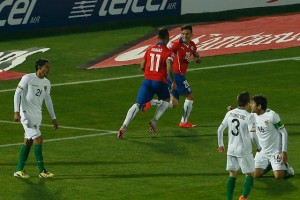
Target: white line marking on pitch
[66, 138]
[141, 75]
[64, 127]
[105, 132]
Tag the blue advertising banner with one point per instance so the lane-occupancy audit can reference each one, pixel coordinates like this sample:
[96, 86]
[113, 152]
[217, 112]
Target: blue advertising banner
[27, 14]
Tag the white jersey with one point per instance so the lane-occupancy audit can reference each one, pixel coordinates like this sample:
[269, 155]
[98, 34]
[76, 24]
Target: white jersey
[240, 123]
[269, 137]
[34, 92]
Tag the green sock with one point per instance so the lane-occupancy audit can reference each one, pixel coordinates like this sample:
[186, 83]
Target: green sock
[230, 187]
[39, 156]
[247, 186]
[269, 167]
[23, 157]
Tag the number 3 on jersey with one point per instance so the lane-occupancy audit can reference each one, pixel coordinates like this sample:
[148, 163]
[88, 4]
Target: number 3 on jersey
[235, 129]
[155, 59]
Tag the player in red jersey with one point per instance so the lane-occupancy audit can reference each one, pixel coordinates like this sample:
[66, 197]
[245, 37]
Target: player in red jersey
[185, 52]
[157, 65]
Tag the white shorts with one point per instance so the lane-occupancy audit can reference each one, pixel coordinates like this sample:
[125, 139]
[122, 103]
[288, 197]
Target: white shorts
[31, 126]
[246, 163]
[262, 161]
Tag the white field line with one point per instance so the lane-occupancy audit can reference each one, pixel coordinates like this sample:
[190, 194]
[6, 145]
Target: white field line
[104, 132]
[140, 75]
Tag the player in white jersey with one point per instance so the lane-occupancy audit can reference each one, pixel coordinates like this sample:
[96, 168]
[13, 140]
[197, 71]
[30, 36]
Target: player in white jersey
[32, 90]
[241, 129]
[272, 137]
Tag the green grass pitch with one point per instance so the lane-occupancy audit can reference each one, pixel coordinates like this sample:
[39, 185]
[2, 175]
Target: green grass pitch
[174, 164]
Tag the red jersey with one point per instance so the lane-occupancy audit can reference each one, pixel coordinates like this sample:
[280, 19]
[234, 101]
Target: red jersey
[155, 65]
[182, 53]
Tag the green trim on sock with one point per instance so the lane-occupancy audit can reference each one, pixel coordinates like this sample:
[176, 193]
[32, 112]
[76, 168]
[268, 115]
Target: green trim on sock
[230, 187]
[23, 157]
[39, 156]
[248, 185]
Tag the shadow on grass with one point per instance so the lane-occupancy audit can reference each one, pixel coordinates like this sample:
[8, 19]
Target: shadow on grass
[39, 190]
[74, 163]
[275, 187]
[129, 176]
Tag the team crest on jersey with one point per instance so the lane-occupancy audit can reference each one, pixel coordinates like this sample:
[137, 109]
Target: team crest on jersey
[267, 122]
[45, 88]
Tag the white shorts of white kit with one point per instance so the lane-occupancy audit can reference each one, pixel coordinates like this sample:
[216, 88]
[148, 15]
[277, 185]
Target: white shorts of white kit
[246, 163]
[262, 161]
[31, 126]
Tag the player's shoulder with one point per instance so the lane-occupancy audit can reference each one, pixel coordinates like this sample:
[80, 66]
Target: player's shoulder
[173, 43]
[270, 112]
[29, 76]
[192, 43]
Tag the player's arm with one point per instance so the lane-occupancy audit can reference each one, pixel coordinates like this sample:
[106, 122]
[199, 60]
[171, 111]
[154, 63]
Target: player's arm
[221, 129]
[284, 136]
[17, 97]
[284, 139]
[17, 100]
[252, 132]
[197, 57]
[143, 63]
[49, 105]
[220, 132]
[254, 140]
[170, 71]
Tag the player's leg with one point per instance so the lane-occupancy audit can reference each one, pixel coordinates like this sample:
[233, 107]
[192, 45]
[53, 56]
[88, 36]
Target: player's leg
[129, 116]
[161, 90]
[280, 169]
[184, 89]
[145, 94]
[38, 152]
[24, 152]
[187, 108]
[27, 124]
[232, 166]
[174, 96]
[261, 163]
[248, 168]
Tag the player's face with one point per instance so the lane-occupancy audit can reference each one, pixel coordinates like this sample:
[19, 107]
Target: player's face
[254, 107]
[186, 35]
[44, 70]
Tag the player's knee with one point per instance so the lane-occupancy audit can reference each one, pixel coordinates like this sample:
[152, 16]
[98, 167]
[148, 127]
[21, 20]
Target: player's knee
[28, 142]
[258, 174]
[279, 174]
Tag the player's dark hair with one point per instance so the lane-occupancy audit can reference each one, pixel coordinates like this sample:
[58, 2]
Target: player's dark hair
[187, 27]
[260, 100]
[243, 99]
[40, 62]
[163, 33]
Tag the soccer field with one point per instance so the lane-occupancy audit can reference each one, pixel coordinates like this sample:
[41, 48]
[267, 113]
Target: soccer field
[91, 163]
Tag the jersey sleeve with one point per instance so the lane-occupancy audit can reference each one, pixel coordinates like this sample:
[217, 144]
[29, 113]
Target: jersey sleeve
[24, 82]
[221, 129]
[194, 47]
[251, 123]
[276, 121]
[172, 46]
